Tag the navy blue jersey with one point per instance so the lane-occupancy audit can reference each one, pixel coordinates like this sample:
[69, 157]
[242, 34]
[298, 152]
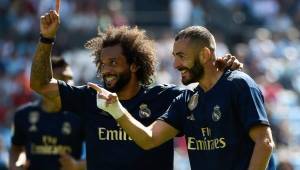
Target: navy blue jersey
[108, 146]
[46, 135]
[217, 122]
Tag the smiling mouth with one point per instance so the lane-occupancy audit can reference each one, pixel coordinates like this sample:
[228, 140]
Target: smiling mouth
[109, 79]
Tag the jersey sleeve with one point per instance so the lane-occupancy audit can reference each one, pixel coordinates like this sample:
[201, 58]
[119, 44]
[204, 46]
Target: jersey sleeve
[72, 97]
[18, 133]
[175, 114]
[250, 103]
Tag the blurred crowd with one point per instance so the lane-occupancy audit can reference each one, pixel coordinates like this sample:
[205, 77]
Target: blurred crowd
[263, 34]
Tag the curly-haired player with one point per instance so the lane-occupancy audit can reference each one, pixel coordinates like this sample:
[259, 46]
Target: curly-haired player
[224, 120]
[125, 59]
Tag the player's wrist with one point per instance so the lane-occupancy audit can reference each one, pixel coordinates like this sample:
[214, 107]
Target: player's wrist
[116, 110]
[46, 39]
[119, 111]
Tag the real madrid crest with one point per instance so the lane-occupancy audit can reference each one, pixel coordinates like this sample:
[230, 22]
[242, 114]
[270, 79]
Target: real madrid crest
[66, 128]
[191, 117]
[33, 118]
[144, 112]
[193, 102]
[216, 114]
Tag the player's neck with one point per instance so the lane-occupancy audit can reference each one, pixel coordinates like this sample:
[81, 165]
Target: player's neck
[210, 77]
[130, 90]
[49, 106]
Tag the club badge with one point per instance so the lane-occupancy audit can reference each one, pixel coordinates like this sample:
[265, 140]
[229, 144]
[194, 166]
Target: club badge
[144, 112]
[191, 117]
[193, 102]
[66, 128]
[216, 114]
[33, 119]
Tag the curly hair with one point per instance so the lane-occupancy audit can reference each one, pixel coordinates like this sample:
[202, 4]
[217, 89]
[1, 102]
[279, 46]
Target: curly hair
[137, 47]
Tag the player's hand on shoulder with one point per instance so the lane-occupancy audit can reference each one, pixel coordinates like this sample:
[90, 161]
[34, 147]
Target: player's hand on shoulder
[49, 22]
[228, 62]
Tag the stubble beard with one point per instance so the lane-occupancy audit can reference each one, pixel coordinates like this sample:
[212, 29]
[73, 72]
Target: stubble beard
[123, 80]
[196, 72]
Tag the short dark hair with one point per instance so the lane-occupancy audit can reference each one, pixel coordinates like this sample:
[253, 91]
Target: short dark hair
[58, 62]
[137, 47]
[198, 34]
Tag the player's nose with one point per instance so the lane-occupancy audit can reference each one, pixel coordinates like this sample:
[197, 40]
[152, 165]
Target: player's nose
[177, 64]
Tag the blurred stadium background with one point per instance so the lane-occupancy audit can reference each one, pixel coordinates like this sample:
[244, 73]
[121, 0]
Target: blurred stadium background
[263, 34]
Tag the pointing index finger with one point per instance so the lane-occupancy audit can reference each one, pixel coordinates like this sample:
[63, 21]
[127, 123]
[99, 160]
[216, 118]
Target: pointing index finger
[94, 86]
[57, 6]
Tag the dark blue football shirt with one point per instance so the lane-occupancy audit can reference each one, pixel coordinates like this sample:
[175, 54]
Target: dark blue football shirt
[46, 135]
[108, 146]
[216, 123]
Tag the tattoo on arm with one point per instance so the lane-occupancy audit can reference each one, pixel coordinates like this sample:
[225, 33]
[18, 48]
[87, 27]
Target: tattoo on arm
[41, 70]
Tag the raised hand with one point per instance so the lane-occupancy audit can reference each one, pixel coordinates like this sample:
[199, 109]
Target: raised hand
[108, 101]
[50, 21]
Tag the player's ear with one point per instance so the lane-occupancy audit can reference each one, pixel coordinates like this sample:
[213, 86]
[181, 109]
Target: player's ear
[205, 54]
[134, 67]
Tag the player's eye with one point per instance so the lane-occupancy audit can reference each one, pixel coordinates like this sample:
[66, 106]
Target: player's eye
[180, 56]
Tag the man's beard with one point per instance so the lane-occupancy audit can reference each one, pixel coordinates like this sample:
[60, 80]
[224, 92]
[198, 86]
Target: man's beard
[122, 81]
[196, 73]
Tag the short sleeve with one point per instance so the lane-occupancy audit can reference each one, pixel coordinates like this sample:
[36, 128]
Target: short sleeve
[18, 133]
[72, 97]
[175, 114]
[250, 104]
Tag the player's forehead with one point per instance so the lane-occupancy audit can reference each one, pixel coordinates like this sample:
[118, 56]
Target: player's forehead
[112, 52]
[182, 45]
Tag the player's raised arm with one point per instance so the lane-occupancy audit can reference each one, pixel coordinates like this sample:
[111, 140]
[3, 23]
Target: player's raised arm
[41, 78]
[146, 137]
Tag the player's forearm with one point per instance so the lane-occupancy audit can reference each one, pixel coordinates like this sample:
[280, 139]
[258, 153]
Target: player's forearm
[14, 154]
[137, 131]
[41, 70]
[261, 155]
[81, 164]
[13, 157]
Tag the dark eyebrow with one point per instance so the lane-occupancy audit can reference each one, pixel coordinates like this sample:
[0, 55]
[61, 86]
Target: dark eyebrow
[113, 58]
[178, 53]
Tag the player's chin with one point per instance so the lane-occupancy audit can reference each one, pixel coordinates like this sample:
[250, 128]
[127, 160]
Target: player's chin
[186, 80]
[112, 88]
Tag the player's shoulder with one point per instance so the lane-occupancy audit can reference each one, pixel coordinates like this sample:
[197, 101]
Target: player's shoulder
[240, 79]
[165, 88]
[87, 90]
[26, 108]
[79, 89]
